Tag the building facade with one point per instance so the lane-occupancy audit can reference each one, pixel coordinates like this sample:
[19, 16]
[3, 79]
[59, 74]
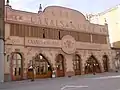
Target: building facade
[111, 16]
[57, 39]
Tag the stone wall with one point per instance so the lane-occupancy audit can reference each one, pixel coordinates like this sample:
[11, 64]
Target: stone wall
[51, 53]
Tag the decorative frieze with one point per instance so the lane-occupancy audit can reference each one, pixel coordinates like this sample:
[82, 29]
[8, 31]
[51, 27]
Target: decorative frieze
[57, 21]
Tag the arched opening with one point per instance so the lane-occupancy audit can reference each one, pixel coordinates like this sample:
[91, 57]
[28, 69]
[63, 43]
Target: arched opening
[60, 66]
[43, 68]
[16, 66]
[117, 61]
[105, 63]
[92, 66]
[77, 65]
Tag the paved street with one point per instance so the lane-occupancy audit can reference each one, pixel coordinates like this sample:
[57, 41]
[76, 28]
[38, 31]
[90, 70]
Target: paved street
[104, 81]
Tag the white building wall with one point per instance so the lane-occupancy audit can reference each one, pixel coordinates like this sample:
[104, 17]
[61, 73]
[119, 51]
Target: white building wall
[112, 18]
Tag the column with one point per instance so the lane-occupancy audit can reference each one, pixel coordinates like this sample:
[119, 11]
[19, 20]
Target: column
[1, 41]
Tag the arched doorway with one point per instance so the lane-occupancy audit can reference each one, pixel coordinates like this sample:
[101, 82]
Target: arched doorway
[60, 66]
[92, 66]
[16, 66]
[43, 68]
[117, 61]
[77, 65]
[105, 63]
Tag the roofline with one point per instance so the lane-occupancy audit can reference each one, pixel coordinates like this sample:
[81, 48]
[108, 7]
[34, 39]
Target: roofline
[115, 48]
[110, 9]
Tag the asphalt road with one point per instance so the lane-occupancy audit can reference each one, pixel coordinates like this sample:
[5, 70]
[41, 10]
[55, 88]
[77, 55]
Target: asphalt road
[104, 81]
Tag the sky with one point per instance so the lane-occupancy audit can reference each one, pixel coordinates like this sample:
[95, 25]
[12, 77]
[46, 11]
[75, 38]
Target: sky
[84, 6]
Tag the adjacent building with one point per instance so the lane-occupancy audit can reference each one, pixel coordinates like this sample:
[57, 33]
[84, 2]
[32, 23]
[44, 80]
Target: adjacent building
[57, 39]
[112, 18]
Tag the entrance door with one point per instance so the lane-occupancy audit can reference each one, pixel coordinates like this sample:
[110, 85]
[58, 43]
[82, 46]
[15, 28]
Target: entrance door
[77, 65]
[92, 66]
[16, 68]
[42, 67]
[105, 63]
[60, 66]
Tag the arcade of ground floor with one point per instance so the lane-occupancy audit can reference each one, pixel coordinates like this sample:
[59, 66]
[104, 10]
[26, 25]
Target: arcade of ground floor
[27, 62]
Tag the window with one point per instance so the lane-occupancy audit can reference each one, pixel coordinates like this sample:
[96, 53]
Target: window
[84, 37]
[59, 35]
[77, 62]
[60, 62]
[101, 39]
[17, 30]
[17, 64]
[43, 35]
[41, 64]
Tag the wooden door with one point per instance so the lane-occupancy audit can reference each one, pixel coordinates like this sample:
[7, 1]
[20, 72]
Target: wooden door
[105, 63]
[60, 66]
[16, 66]
[77, 65]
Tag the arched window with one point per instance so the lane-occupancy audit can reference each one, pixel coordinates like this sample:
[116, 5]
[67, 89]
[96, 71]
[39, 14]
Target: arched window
[17, 64]
[60, 65]
[42, 65]
[77, 62]
[77, 65]
[105, 63]
[60, 62]
[92, 65]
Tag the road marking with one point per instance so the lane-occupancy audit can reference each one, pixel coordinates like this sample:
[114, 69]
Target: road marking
[70, 86]
[108, 77]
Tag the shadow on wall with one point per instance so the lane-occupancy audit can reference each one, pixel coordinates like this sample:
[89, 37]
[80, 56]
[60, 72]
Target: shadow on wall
[116, 44]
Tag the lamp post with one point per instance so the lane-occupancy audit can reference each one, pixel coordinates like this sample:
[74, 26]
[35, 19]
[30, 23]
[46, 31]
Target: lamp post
[2, 26]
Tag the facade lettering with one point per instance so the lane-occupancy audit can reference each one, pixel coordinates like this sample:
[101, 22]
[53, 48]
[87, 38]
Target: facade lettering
[52, 23]
[61, 22]
[57, 23]
[72, 25]
[42, 42]
[84, 26]
[53, 13]
[15, 40]
[79, 26]
[46, 21]
[65, 23]
[60, 13]
[33, 20]
[39, 21]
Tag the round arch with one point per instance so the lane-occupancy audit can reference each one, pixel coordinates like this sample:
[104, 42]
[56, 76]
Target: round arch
[16, 64]
[117, 61]
[60, 65]
[77, 64]
[92, 65]
[43, 68]
[105, 63]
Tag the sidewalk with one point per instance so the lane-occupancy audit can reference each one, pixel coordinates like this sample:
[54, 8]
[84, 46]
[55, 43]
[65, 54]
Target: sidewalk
[60, 78]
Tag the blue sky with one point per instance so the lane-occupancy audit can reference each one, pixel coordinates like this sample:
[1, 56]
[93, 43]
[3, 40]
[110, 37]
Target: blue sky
[85, 6]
